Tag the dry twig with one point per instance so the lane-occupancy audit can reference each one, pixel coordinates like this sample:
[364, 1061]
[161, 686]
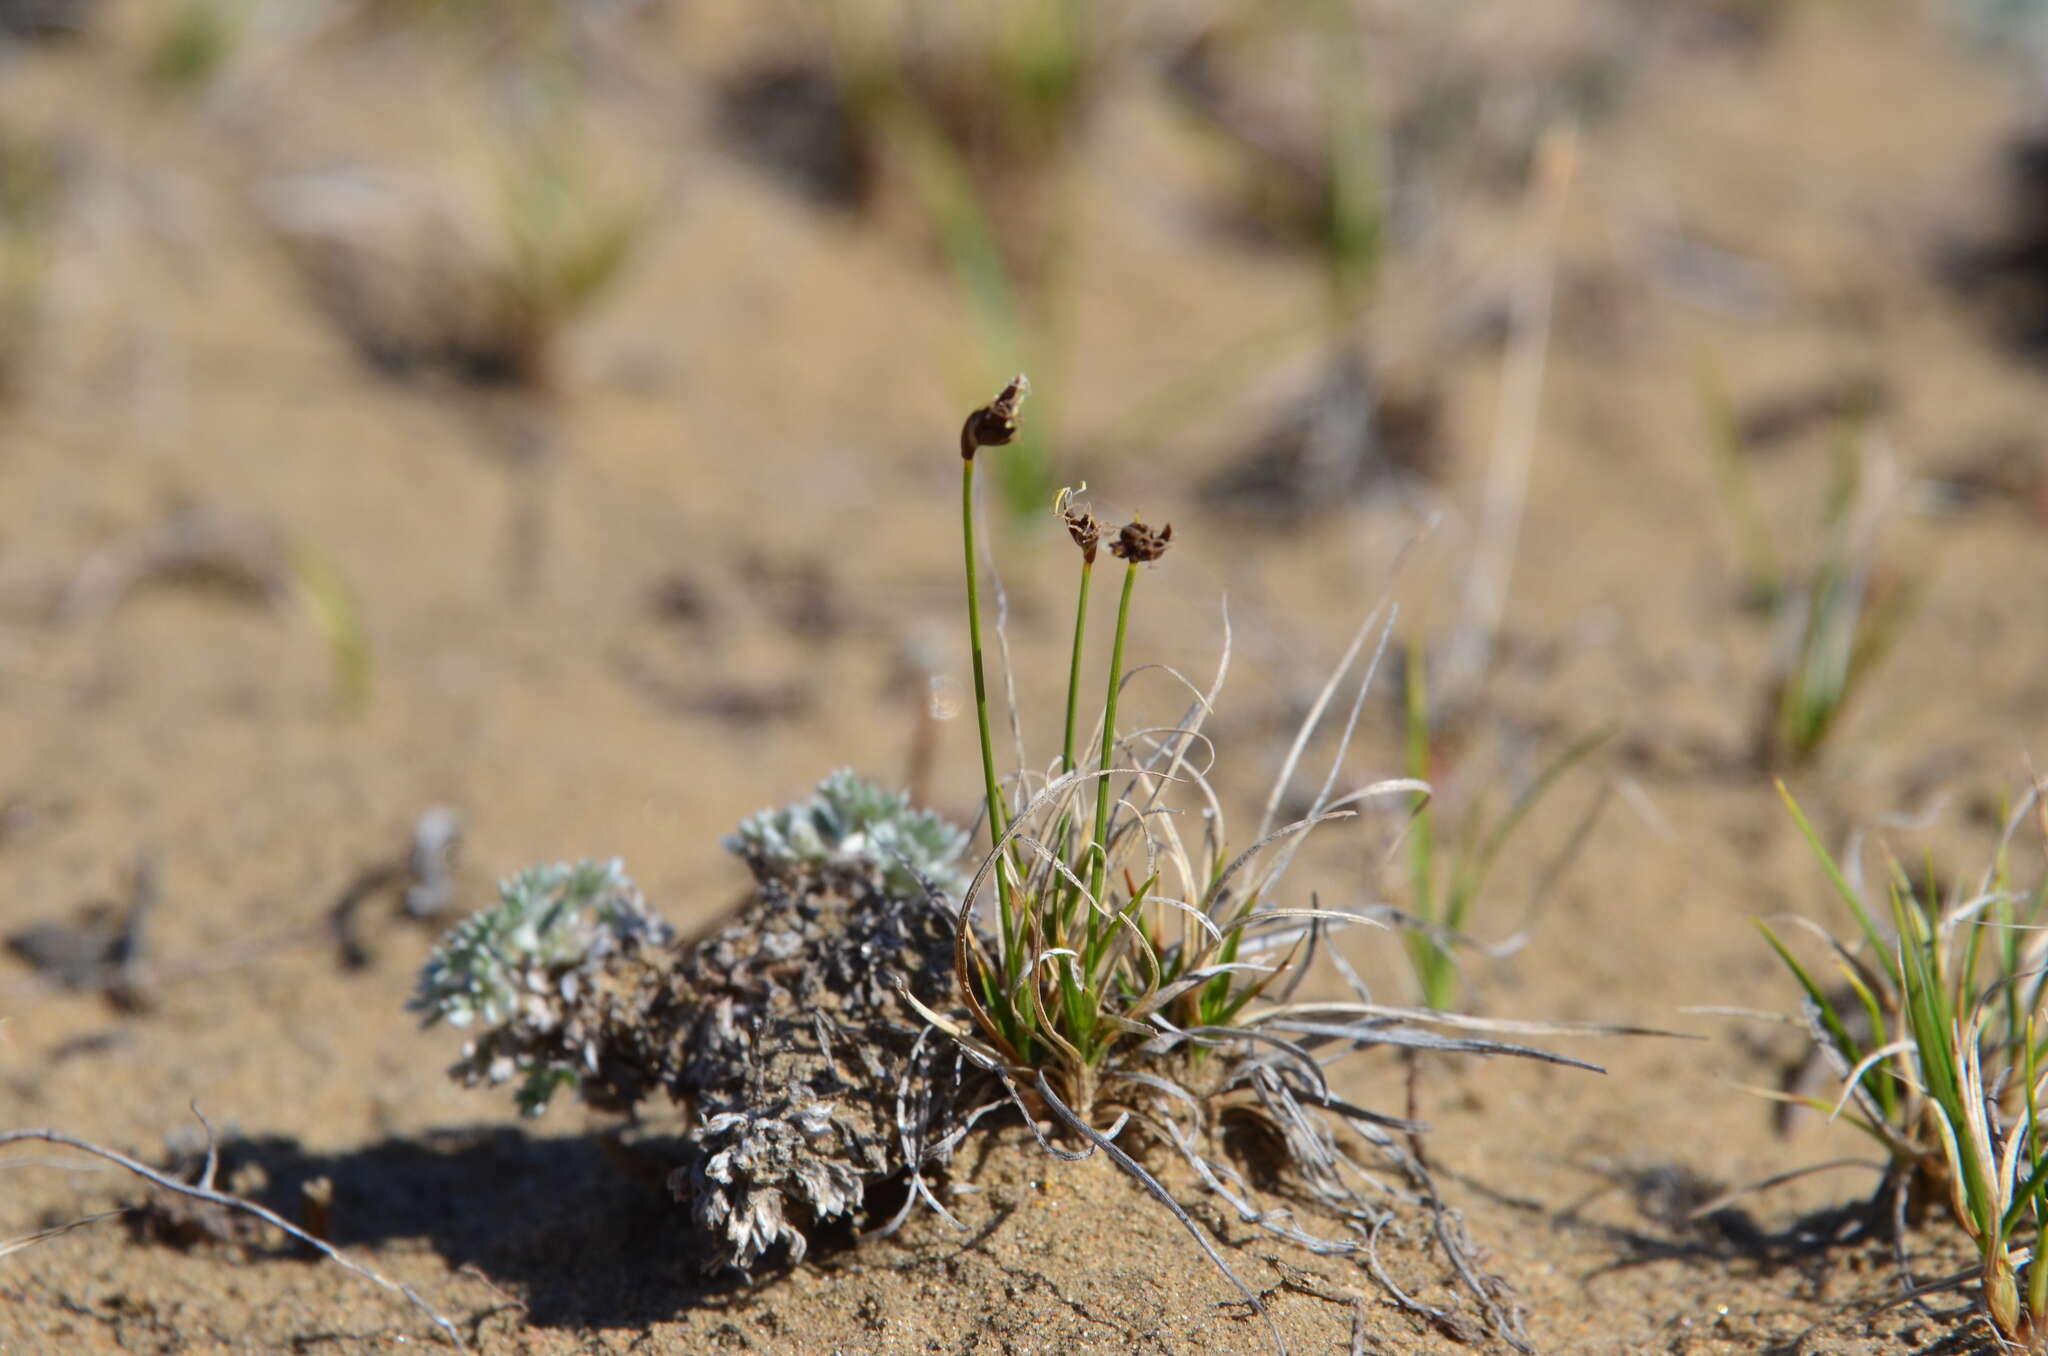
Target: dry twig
[204, 1191]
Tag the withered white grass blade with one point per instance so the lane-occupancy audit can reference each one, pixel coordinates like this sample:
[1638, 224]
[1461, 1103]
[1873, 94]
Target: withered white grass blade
[1309, 722]
[1191, 980]
[2017, 816]
[979, 1052]
[1348, 973]
[1361, 1036]
[1251, 853]
[1190, 882]
[1126, 1025]
[1966, 910]
[1269, 875]
[1204, 704]
[1056, 865]
[1372, 668]
[1386, 786]
[1269, 941]
[1273, 1047]
[1461, 1021]
[1261, 917]
[1746, 1014]
[1734, 1194]
[14, 1245]
[1853, 1080]
[1002, 628]
[1178, 767]
[971, 895]
[1166, 1087]
[1638, 799]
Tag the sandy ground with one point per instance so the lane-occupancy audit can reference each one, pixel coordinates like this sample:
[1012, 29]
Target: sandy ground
[731, 566]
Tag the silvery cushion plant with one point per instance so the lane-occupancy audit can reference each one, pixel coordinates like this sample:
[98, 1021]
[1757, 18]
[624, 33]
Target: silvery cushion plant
[511, 968]
[782, 1034]
[851, 821]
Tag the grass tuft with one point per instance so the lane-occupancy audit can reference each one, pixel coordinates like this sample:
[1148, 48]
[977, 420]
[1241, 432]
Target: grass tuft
[193, 43]
[481, 277]
[1938, 1035]
[1836, 618]
[1447, 874]
[1139, 979]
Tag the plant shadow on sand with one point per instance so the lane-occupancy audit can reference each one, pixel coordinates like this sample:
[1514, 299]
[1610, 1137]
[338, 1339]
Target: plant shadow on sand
[578, 1230]
[564, 1224]
[1684, 1218]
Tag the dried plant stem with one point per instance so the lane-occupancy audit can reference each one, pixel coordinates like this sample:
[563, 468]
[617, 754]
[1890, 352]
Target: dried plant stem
[205, 1192]
[55, 1230]
[1514, 444]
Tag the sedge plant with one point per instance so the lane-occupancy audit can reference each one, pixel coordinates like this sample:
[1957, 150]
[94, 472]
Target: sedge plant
[1939, 1034]
[1324, 186]
[1447, 872]
[480, 272]
[556, 241]
[1117, 972]
[1834, 620]
[194, 42]
[1836, 626]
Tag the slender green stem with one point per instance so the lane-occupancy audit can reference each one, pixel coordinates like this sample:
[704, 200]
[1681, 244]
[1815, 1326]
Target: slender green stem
[1431, 963]
[1068, 896]
[2037, 1266]
[1074, 665]
[1099, 843]
[988, 751]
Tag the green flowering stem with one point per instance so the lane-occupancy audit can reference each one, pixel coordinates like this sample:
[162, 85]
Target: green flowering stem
[993, 425]
[1074, 665]
[1073, 706]
[988, 751]
[1434, 968]
[1099, 843]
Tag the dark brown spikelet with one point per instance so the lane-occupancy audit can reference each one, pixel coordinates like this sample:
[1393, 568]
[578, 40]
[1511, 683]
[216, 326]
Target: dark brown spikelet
[1085, 528]
[994, 424]
[1139, 544]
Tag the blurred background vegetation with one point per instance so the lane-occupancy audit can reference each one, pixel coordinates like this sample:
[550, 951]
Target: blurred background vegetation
[539, 357]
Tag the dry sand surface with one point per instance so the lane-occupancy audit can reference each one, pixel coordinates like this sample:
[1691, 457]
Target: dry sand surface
[717, 558]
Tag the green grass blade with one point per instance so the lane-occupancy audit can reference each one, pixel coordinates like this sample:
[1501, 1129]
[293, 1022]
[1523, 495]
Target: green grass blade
[1883, 1088]
[1763, 576]
[1835, 877]
[1845, 1044]
[1497, 838]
